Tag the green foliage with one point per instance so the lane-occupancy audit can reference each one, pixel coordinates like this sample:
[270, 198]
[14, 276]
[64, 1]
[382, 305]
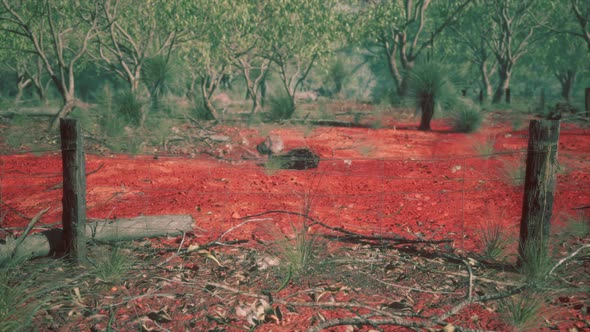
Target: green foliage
[281, 107]
[336, 76]
[432, 80]
[18, 303]
[299, 253]
[113, 268]
[431, 88]
[578, 226]
[466, 118]
[535, 263]
[523, 311]
[18, 136]
[128, 108]
[159, 74]
[494, 239]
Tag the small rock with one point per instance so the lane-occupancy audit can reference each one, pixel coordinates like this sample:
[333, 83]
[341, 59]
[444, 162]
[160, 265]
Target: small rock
[236, 215]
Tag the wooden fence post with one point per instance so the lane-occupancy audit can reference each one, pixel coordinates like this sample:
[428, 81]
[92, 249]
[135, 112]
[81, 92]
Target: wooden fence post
[587, 102]
[541, 168]
[508, 97]
[74, 189]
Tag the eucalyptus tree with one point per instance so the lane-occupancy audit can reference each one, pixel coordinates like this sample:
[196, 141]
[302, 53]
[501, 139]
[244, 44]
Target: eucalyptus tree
[218, 32]
[404, 30]
[59, 33]
[134, 31]
[296, 34]
[470, 34]
[510, 28]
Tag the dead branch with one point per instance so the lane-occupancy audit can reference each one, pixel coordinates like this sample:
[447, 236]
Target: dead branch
[568, 257]
[348, 234]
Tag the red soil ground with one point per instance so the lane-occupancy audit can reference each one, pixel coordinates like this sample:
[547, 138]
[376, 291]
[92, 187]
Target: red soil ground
[387, 181]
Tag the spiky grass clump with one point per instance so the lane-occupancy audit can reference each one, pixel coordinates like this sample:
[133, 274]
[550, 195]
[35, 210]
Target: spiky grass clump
[535, 263]
[159, 74]
[513, 172]
[494, 239]
[128, 108]
[466, 117]
[18, 302]
[113, 268]
[281, 107]
[431, 87]
[523, 311]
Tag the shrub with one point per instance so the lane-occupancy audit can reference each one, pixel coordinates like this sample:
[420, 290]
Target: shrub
[281, 107]
[113, 268]
[466, 118]
[523, 311]
[129, 108]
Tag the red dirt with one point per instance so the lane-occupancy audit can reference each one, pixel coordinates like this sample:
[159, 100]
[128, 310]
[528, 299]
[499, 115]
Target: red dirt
[384, 181]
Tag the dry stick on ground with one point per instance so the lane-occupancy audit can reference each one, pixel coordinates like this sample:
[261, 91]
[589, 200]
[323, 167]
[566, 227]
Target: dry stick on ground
[570, 256]
[394, 318]
[349, 234]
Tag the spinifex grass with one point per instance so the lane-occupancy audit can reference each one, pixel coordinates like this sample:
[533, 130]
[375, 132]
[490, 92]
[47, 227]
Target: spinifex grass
[494, 239]
[523, 311]
[113, 267]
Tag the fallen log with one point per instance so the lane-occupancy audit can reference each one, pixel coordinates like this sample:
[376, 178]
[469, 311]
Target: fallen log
[107, 231]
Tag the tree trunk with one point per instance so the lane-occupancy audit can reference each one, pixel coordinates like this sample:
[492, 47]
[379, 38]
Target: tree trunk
[427, 105]
[485, 81]
[504, 74]
[566, 79]
[67, 107]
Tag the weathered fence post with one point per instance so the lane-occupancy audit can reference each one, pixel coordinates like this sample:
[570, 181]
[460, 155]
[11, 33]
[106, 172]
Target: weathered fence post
[587, 102]
[542, 100]
[508, 97]
[481, 96]
[541, 168]
[74, 189]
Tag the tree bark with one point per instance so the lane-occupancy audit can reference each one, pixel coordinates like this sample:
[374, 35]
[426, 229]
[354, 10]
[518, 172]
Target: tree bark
[504, 74]
[427, 105]
[566, 80]
[109, 231]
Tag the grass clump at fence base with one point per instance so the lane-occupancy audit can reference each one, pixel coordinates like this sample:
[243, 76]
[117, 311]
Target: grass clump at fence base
[494, 239]
[114, 266]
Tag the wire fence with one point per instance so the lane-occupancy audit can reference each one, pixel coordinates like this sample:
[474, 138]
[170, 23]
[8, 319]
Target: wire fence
[413, 197]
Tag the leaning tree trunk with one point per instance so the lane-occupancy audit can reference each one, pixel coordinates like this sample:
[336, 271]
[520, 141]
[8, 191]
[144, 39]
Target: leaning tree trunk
[67, 107]
[427, 105]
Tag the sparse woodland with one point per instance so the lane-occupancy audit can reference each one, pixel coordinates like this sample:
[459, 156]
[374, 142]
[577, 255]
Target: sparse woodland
[413, 111]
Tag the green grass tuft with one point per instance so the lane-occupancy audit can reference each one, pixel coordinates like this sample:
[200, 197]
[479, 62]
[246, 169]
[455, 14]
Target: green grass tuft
[113, 268]
[466, 118]
[281, 107]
